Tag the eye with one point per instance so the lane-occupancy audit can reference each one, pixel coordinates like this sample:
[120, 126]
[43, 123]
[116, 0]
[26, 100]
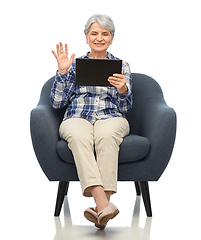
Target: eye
[105, 34]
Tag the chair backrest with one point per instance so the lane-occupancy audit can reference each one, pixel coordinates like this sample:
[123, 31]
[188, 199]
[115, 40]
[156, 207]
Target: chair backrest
[145, 89]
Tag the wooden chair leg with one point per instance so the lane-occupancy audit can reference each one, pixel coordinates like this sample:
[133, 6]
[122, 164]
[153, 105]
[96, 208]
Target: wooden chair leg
[137, 187]
[146, 197]
[62, 191]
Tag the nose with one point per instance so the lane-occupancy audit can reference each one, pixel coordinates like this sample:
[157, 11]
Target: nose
[99, 37]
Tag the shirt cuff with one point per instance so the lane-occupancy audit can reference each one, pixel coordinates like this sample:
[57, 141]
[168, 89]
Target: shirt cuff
[61, 77]
[124, 96]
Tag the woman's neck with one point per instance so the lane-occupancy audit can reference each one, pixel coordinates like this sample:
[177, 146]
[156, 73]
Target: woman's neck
[98, 55]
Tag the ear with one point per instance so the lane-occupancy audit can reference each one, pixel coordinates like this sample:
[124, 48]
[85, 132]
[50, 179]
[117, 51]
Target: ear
[112, 39]
[87, 38]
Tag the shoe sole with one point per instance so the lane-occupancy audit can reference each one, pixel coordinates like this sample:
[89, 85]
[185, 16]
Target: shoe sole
[89, 216]
[106, 218]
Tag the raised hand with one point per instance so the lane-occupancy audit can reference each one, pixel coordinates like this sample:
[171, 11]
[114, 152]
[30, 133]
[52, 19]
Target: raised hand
[61, 56]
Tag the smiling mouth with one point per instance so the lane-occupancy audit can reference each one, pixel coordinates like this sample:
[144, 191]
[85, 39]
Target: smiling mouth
[99, 44]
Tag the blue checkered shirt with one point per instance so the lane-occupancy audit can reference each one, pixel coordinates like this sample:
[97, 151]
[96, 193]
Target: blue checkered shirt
[90, 102]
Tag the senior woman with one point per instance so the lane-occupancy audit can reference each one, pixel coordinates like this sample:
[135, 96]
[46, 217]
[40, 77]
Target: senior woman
[94, 119]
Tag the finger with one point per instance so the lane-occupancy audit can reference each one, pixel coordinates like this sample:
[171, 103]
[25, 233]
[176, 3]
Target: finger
[66, 49]
[118, 75]
[61, 48]
[54, 53]
[58, 51]
[72, 57]
[115, 79]
[113, 82]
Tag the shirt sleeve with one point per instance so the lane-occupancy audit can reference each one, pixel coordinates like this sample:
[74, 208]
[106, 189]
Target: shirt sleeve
[125, 102]
[63, 88]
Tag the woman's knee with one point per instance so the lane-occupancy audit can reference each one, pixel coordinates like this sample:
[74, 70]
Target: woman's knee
[105, 139]
[76, 130]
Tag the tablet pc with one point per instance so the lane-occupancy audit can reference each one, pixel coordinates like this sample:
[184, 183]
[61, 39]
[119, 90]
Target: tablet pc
[95, 72]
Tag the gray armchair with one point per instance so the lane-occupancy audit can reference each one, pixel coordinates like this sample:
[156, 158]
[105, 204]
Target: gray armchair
[143, 156]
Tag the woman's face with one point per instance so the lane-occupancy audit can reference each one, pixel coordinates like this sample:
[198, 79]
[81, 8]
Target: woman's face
[98, 38]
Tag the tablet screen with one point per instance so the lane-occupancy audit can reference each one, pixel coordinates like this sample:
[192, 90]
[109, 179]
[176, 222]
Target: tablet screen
[95, 72]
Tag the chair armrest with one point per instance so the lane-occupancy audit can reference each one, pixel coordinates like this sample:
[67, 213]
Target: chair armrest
[44, 125]
[158, 124]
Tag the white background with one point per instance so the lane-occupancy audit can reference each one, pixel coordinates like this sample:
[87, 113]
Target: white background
[159, 38]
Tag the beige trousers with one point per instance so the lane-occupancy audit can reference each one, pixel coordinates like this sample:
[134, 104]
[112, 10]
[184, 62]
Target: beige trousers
[104, 137]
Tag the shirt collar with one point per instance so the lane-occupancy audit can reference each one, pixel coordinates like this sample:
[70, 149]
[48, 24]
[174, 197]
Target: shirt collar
[109, 56]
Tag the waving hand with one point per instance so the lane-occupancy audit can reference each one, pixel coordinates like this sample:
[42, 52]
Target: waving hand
[61, 56]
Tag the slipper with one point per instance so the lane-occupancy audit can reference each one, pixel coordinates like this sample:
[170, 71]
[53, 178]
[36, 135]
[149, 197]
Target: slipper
[108, 213]
[91, 215]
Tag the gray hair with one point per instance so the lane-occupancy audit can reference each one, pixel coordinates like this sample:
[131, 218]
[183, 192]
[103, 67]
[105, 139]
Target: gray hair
[104, 21]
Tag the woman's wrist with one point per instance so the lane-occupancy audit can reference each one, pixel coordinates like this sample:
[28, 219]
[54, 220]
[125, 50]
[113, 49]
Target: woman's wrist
[124, 90]
[62, 71]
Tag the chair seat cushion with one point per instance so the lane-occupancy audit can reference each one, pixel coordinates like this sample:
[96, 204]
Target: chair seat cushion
[133, 148]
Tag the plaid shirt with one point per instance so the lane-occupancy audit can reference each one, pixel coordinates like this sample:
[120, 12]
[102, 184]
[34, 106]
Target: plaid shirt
[90, 102]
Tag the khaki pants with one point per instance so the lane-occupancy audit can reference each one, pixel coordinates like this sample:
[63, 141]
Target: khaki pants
[104, 137]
